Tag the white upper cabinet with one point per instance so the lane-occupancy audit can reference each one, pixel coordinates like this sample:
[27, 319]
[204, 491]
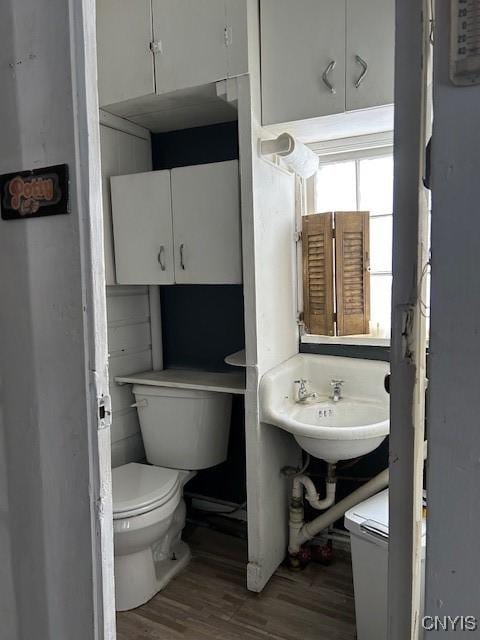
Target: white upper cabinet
[142, 228]
[121, 153]
[190, 43]
[153, 47]
[125, 61]
[302, 59]
[323, 57]
[178, 226]
[370, 53]
[206, 224]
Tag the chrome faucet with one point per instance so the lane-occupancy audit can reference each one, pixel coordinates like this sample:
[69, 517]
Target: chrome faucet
[303, 394]
[336, 385]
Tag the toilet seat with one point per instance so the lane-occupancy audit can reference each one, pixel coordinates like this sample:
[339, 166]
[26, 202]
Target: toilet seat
[140, 488]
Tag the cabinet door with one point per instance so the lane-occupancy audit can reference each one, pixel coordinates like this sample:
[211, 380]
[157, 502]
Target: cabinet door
[142, 228]
[125, 62]
[370, 53]
[206, 224]
[120, 153]
[190, 41]
[302, 50]
[236, 37]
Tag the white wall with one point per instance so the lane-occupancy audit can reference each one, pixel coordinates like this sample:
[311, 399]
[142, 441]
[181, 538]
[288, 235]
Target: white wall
[128, 310]
[130, 351]
[55, 513]
[453, 470]
[268, 226]
[8, 604]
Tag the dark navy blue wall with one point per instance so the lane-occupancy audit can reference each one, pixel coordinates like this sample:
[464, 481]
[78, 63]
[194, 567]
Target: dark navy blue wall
[215, 143]
[201, 324]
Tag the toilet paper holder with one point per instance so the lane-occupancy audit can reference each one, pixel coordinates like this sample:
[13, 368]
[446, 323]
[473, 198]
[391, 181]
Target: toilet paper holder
[297, 157]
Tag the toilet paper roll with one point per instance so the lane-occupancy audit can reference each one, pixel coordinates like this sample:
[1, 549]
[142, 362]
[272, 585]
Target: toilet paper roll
[299, 157]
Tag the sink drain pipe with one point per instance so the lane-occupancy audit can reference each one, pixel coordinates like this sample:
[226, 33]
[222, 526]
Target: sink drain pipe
[301, 531]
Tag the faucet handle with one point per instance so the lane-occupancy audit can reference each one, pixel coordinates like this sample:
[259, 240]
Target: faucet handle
[336, 382]
[303, 382]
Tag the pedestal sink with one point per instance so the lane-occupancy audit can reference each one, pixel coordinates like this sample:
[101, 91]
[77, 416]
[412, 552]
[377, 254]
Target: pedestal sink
[351, 427]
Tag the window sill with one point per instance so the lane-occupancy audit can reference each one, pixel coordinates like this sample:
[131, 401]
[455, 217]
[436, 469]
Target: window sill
[359, 341]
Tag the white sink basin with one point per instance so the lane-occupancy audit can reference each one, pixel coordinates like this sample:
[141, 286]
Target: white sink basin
[351, 427]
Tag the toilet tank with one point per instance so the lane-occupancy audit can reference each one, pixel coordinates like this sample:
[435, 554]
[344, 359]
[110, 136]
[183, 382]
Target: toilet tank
[183, 428]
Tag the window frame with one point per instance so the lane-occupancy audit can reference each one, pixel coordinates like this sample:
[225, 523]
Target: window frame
[329, 152]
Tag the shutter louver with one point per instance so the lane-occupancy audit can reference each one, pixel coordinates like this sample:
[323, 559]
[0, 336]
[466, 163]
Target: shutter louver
[352, 276]
[317, 248]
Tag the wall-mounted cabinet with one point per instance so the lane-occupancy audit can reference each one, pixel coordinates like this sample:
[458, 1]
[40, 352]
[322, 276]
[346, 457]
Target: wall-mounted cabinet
[325, 57]
[143, 228]
[155, 47]
[122, 153]
[180, 226]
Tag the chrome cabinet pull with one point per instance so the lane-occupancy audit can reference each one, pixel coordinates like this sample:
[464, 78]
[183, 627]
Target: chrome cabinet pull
[161, 258]
[364, 66]
[325, 75]
[182, 263]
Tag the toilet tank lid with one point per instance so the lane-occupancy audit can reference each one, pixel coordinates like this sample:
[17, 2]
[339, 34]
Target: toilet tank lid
[137, 488]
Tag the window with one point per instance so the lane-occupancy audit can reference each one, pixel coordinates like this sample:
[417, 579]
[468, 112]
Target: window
[361, 183]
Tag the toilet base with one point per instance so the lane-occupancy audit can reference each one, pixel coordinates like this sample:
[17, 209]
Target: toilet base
[168, 569]
[138, 577]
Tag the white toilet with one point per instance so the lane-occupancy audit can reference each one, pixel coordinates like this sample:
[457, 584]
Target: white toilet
[183, 431]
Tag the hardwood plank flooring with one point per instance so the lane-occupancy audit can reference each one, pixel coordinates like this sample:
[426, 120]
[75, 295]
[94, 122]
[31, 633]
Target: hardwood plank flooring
[209, 600]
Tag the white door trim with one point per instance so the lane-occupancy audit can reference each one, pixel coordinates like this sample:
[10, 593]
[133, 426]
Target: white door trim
[408, 357]
[89, 196]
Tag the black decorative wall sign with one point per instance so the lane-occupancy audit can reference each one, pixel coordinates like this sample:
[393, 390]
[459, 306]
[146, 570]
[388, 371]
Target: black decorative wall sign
[36, 193]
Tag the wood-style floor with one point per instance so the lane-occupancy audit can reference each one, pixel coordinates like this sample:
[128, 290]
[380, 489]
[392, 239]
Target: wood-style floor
[209, 600]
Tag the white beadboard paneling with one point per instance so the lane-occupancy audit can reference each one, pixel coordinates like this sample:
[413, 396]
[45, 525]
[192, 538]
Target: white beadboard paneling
[133, 362]
[129, 337]
[126, 424]
[127, 450]
[121, 396]
[127, 304]
[130, 351]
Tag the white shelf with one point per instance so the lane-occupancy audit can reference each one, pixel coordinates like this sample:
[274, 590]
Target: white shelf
[236, 359]
[231, 382]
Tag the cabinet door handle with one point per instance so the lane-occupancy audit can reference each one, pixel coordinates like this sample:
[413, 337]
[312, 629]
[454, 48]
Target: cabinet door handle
[182, 263]
[364, 66]
[325, 75]
[161, 258]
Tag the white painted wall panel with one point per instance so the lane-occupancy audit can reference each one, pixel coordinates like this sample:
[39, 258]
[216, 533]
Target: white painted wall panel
[7, 586]
[127, 450]
[128, 310]
[453, 469]
[56, 503]
[130, 351]
[268, 224]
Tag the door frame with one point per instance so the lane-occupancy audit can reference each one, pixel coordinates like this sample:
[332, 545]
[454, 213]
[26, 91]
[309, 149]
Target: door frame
[89, 190]
[408, 346]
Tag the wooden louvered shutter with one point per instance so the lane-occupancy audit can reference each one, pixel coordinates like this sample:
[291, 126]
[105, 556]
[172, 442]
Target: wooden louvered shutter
[352, 275]
[317, 248]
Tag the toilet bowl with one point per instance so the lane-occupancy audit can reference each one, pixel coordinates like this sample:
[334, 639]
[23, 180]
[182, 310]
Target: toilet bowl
[183, 431]
[148, 518]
